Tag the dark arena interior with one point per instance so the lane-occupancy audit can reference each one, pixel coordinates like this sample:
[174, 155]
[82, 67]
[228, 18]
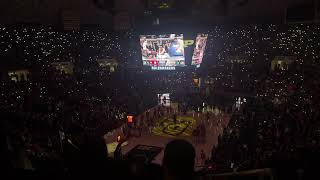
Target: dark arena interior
[160, 89]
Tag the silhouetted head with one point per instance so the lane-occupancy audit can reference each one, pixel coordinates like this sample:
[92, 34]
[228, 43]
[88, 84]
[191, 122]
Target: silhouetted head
[178, 160]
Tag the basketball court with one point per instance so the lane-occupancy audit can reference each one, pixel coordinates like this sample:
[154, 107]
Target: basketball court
[166, 130]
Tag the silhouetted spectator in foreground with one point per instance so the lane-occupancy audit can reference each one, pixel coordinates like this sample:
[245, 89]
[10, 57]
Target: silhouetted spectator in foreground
[178, 160]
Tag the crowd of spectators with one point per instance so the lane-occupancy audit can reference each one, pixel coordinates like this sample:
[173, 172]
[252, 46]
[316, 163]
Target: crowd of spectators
[38, 114]
[277, 123]
[41, 112]
[278, 128]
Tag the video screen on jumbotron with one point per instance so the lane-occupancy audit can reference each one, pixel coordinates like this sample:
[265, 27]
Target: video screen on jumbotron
[162, 52]
[199, 48]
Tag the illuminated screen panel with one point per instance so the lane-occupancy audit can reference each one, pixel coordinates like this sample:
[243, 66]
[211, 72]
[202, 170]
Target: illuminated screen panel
[164, 99]
[162, 51]
[199, 48]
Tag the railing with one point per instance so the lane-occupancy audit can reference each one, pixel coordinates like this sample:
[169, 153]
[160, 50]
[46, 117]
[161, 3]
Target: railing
[259, 174]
